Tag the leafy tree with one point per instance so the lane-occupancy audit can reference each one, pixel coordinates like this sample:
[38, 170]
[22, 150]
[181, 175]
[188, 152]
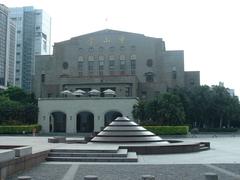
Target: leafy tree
[139, 110]
[171, 109]
[17, 94]
[202, 107]
[166, 109]
[17, 107]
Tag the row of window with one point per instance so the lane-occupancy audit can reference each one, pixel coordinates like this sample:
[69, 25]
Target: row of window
[110, 57]
[101, 64]
[111, 73]
[111, 49]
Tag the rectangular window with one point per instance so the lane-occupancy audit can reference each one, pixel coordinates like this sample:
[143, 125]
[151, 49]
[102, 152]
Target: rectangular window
[128, 91]
[90, 65]
[111, 64]
[43, 78]
[133, 64]
[149, 78]
[101, 65]
[174, 74]
[80, 65]
[122, 64]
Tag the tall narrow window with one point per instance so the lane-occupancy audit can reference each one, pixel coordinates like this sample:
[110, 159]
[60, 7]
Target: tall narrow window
[101, 67]
[122, 64]
[133, 67]
[111, 64]
[174, 72]
[43, 78]
[90, 65]
[80, 65]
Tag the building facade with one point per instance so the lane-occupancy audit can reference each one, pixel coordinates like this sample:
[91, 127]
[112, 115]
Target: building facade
[81, 115]
[7, 48]
[33, 28]
[133, 65]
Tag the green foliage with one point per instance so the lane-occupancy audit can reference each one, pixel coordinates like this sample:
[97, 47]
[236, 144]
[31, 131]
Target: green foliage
[218, 130]
[19, 129]
[139, 110]
[165, 109]
[168, 130]
[17, 107]
[198, 107]
[17, 94]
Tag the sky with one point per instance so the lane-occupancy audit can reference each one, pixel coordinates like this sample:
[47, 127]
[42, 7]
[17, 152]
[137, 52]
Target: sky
[207, 30]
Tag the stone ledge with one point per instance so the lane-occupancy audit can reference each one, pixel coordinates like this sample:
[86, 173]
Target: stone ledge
[13, 166]
[6, 155]
[23, 151]
[59, 139]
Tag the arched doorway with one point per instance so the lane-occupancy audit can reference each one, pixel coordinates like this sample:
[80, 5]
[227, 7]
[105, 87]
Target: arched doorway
[57, 122]
[85, 122]
[110, 116]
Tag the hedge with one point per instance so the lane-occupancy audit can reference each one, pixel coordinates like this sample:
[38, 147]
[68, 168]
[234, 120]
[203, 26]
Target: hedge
[168, 130]
[19, 129]
[218, 129]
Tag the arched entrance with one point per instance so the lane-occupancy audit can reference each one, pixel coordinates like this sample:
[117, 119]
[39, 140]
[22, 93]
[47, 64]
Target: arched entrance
[110, 116]
[57, 122]
[85, 122]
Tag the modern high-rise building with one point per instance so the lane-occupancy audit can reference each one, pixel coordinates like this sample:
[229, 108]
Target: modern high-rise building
[7, 48]
[33, 38]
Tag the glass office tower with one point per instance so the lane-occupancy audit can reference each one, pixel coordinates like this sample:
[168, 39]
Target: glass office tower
[33, 38]
[7, 48]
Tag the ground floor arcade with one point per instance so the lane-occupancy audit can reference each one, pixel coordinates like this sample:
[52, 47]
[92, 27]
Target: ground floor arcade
[81, 115]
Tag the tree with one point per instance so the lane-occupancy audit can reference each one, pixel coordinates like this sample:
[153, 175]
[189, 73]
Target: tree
[171, 110]
[139, 110]
[166, 109]
[17, 107]
[17, 94]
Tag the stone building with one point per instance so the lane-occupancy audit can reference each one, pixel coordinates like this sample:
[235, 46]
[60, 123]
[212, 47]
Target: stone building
[133, 65]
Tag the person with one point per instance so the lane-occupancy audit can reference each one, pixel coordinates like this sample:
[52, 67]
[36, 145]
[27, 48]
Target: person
[50, 126]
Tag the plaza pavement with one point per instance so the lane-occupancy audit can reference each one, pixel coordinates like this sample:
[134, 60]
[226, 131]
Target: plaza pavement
[223, 158]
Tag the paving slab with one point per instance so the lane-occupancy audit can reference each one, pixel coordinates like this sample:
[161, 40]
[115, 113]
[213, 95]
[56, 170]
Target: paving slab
[121, 172]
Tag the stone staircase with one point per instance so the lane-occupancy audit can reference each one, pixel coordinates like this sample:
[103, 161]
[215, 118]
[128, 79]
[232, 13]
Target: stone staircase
[92, 155]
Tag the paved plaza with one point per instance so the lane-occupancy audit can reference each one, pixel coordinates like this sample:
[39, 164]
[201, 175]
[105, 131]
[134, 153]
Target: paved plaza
[223, 158]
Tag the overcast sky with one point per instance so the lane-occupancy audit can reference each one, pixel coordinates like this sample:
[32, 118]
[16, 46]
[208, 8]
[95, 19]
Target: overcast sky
[207, 30]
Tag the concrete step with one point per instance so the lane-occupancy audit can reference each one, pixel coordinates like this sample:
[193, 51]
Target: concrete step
[131, 157]
[84, 150]
[204, 146]
[119, 153]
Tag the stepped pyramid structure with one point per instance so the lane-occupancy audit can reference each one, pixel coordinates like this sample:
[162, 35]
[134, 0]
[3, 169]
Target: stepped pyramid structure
[122, 130]
[122, 141]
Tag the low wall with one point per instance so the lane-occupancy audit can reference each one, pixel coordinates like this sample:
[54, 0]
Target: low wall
[11, 167]
[163, 149]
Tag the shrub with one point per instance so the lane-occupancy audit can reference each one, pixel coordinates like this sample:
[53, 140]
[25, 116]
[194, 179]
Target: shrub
[168, 130]
[218, 130]
[19, 129]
